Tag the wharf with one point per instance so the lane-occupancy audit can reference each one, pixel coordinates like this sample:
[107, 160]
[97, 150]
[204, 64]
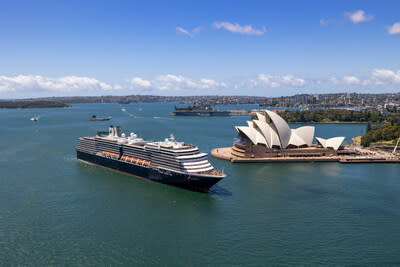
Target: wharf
[225, 153]
[369, 160]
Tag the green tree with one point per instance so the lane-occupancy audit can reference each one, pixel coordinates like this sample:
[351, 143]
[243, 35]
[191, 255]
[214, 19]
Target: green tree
[368, 127]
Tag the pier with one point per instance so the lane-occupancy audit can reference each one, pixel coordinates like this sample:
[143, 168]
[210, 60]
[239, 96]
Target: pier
[366, 156]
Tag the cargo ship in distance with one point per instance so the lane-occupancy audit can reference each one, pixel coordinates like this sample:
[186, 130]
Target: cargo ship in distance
[207, 111]
[169, 162]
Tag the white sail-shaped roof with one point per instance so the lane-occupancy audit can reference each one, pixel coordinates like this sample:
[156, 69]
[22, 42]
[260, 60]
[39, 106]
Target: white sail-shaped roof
[275, 132]
[260, 139]
[321, 141]
[306, 133]
[249, 132]
[333, 143]
[270, 135]
[265, 130]
[274, 137]
[283, 129]
[296, 140]
[261, 117]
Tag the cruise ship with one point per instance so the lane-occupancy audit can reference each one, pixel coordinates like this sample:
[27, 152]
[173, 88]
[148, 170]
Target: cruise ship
[169, 162]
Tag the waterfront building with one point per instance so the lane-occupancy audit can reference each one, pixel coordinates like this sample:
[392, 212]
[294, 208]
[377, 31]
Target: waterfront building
[272, 131]
[269, 135]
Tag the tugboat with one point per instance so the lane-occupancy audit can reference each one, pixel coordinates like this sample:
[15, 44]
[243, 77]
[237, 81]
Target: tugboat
[169, 162]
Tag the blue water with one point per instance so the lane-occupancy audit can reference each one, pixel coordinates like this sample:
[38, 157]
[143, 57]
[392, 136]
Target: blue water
[55, 210]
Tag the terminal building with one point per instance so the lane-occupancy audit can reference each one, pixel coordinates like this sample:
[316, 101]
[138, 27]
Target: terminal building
[268, 135]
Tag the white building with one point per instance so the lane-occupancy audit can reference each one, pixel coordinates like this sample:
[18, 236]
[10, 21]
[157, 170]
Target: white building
[272, 130]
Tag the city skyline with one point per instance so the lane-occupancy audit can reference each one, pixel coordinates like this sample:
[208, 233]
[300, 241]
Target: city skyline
[198, 48]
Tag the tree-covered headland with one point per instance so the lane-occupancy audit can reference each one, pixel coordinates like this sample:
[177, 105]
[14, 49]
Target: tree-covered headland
[387, 133]
[332, 116]
[32, 104]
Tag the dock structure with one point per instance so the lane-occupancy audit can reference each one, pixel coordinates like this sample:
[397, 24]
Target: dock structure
[227, 153]
[369, 160]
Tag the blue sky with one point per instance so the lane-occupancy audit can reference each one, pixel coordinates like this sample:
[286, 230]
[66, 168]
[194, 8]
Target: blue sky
[54, 48]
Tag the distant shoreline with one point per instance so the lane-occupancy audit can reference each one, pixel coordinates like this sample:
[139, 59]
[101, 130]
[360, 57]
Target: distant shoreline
[328, 100]
[24, 104]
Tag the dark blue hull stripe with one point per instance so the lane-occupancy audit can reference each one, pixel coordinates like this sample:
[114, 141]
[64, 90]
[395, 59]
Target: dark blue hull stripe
[176, 179]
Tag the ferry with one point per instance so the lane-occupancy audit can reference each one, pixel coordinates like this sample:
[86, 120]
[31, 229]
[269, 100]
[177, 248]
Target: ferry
[169, 162]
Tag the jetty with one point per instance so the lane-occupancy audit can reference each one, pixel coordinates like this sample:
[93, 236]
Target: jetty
[231, 154]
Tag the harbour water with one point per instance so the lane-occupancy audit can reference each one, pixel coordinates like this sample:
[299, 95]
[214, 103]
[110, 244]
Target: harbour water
[55, 210]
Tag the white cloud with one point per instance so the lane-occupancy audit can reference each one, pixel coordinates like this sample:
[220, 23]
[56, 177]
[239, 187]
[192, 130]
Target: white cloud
[278, 81]
[25, 85]
[376, 77]
[334, 80]
[196, 30]
[293, 81]
[358, 16]
[384, 76]
[325, 22]
[237, 28]
[30, 85]
[351, 80]
[188, 32]
[174, 82]
[394, 29]
[40, 83]
[211, 83]
[182, 30]
[140, 82]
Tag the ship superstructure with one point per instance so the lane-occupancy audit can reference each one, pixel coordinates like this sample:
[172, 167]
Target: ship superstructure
[167, 161]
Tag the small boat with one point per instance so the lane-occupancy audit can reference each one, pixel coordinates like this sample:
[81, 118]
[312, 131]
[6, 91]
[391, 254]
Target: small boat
[131, 115]
[34, 118]
[94, 118]
[124, 110]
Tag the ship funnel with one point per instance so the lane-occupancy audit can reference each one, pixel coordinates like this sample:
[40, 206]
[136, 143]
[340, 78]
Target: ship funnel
[111, 130]
[118, 131]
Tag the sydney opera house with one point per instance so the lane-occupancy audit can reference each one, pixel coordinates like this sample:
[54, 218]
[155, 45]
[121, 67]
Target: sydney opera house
[269, 135]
